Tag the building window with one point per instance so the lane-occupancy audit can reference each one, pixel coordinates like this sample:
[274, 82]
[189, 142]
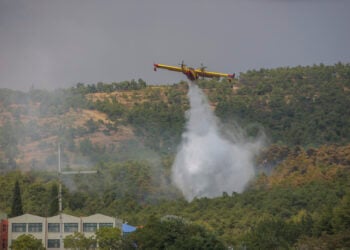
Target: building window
[53, 243]
[19, 227]
[35, 227]
[70, 227]
[100, 225]
[53, 227]
[89, 227]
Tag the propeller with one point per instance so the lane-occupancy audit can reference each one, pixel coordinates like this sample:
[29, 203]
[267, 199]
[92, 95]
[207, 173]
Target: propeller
[202, 68]
[182, 64]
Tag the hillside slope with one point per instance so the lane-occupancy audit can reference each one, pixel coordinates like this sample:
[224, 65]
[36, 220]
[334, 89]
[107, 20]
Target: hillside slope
[306, 106]
[129, 132]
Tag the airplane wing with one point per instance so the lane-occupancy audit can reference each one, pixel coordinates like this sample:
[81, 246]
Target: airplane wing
[210, 74]
[168, 67]
[192, 73]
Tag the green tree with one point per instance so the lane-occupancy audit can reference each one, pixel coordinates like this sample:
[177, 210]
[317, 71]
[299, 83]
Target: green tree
[272, 234]
[109, 238]
[341, 218]
[78, 241]
[27, 242]
[91, 125]
[53, 210]
[172, 233]
[9, 136]
[16, 208]
[36, 198]
[86, 146]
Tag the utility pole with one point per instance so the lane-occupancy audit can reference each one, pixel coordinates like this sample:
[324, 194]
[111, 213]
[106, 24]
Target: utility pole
[60, 173]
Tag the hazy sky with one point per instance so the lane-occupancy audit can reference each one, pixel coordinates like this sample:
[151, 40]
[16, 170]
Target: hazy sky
[52, 44]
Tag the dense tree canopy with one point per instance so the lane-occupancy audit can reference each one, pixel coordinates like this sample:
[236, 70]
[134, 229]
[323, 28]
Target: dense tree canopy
[299, 198]
[78, 241]
[172, 233]
[28, 242]
[109, 238]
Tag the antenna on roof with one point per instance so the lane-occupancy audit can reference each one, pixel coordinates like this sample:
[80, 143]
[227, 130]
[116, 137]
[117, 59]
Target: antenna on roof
[60, 189]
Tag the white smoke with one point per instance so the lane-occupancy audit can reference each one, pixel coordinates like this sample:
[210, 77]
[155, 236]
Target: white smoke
[208, 162]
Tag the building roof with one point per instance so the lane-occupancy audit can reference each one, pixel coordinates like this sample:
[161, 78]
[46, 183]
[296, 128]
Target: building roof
[69, 217]
[98, 217]
[27, 217]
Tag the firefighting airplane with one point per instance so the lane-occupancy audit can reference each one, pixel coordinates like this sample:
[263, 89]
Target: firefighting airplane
[191, 73]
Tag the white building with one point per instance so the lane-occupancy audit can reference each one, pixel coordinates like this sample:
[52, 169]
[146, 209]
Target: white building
[50, 230]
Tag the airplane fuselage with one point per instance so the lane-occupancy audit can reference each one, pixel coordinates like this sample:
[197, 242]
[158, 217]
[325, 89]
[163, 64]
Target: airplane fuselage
[191, 73]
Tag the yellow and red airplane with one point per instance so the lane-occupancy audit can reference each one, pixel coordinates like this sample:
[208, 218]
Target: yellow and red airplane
[192, 73]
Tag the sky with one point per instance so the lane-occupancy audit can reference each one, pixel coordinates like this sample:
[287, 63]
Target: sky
[57, 44]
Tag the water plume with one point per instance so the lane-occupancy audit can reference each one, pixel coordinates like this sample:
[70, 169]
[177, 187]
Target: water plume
[209, 161]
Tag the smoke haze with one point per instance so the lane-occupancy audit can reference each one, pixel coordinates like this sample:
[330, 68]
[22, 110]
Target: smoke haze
[55, 44]
[209, 163]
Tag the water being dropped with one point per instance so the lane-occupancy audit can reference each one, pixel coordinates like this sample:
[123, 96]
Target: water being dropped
[209, 163]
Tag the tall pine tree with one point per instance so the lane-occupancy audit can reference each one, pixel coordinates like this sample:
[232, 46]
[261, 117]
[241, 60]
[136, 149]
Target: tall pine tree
[54, 201]
[16, 208]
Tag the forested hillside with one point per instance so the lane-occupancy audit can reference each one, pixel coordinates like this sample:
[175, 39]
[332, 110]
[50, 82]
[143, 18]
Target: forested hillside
[130, 131]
